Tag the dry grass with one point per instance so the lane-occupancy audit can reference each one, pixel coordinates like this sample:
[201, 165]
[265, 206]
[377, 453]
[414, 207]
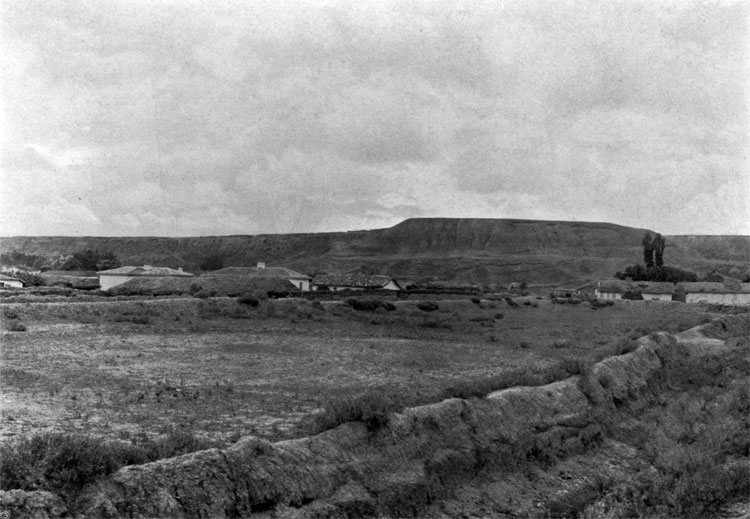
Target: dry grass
[226, 369]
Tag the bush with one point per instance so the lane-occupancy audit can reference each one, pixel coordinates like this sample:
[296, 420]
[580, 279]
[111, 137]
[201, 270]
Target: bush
[510, 302]
[632, 295]
[64, 463]
[428, 306]
[666, 274]
[248, 300]
[364, 304]
[625, 345]
[15, 326]
[476, 300]
[277, 294]
[371, 408]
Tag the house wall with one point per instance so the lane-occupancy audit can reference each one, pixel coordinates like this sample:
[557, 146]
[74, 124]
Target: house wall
[615, 296]
[107, 282]
[302, 284]
[10, 283]
[722, 299]
[391, 286]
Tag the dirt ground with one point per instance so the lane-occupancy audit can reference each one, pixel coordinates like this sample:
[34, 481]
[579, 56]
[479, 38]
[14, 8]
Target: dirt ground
[223, 369]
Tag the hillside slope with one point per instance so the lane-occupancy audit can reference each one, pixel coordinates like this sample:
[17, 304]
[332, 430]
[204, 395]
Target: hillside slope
[462, 249]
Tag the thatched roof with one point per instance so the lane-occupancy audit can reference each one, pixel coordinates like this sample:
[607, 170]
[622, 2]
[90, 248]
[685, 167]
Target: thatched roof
[353, 280]
[618, 286]
[716, 288]
[144, 271]
[254, 272]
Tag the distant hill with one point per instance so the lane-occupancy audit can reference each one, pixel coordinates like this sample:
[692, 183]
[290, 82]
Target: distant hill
[462, 249]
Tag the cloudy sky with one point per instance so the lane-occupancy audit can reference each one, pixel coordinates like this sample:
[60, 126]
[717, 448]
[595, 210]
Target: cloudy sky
[180, 118]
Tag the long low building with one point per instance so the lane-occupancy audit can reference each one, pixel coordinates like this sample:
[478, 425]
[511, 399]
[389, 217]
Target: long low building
[297, 279]
[614, 289]
[717, 293]
[701, 292]
[9, 282]
[338, 282]
[113, 277]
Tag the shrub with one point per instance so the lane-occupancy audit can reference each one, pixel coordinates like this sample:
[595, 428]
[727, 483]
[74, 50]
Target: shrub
[64, 463]
[632, 295]
[371, 408]
[428, 306]
[15, 326]
[11, 314]
[510, 302]
[476, 300]
[666, 274]
[364, 304]
[277, 294]
[625, 345]
[248, 300]
[203, 294]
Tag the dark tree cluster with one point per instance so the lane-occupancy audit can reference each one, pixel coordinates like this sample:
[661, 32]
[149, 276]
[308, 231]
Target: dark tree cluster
[664, 274]
[212, 262]
[15, 258]
[653, 249]
[92, 259]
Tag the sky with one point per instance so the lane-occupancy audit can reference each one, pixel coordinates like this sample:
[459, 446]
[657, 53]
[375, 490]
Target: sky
[183, 118]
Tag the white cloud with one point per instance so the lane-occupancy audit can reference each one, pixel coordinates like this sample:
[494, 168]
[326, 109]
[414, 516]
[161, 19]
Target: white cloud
[186, 117]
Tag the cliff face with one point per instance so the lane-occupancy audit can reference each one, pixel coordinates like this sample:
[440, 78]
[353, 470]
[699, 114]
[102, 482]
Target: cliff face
[470, 250]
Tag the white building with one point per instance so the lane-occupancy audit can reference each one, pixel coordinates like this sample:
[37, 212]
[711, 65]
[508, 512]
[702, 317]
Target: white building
[650, 291]
[717, 293]
[9, 282]
[113, 277]
[338, 282]
[300, 281]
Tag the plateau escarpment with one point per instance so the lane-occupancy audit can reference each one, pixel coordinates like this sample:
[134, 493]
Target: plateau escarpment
[461, 249]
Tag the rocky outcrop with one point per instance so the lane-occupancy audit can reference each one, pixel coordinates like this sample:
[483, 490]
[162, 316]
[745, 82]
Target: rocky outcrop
[31, 505]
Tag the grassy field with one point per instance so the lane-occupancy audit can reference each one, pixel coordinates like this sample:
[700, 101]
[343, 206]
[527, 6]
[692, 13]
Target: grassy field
[223, 369]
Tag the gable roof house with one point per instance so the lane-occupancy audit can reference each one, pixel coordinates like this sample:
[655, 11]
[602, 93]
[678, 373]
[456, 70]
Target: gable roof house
[651, 291]
[113, 277]
[9, 282]
[338, 282]
[718, 293]
[301, 281]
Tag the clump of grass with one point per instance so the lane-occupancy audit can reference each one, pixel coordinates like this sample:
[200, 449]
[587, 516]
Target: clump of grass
[10, 314]
[428, 306]
[248, 300]
[367, 304]
[63, 463]
[625, 345]
[16, 326]
[372, 408]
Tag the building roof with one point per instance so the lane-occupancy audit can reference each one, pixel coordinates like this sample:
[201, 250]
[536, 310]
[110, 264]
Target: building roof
[645, 287]
[145, 271]
[715, 288]
[3, 277]
[353, 280]
[254, 272]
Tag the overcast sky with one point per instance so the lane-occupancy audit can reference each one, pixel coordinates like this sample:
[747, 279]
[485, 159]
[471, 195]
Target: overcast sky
[181, 118]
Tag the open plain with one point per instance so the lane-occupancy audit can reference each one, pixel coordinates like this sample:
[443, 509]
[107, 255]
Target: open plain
[224, 369]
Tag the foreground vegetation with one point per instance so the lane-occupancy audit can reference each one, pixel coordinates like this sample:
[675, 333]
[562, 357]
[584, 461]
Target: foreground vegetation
[111, 383]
